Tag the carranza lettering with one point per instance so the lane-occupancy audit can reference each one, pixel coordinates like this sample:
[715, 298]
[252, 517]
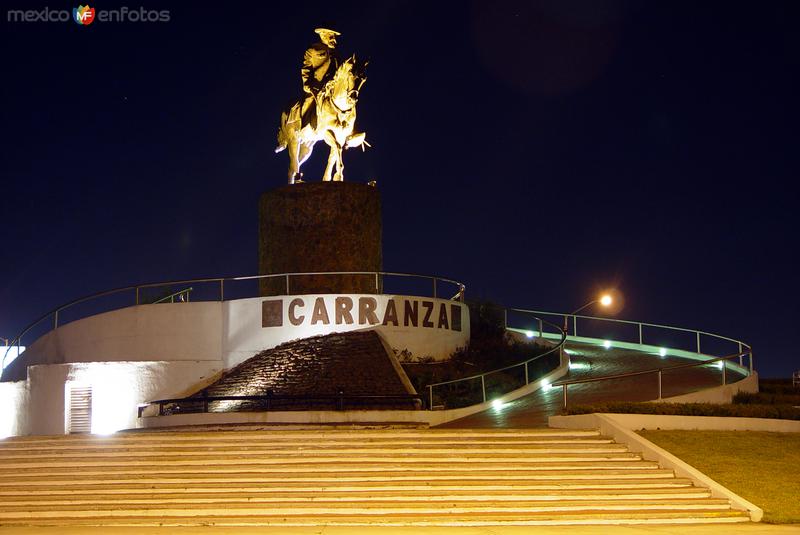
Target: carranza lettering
[344, 310]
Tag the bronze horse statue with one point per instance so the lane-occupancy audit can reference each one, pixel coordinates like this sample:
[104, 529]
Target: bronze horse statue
[336, 117]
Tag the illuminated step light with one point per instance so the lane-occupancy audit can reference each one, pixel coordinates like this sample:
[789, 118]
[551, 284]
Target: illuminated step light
[607, 344]
[662, 352]
[498, 405]
[579, 366]
[530, 334]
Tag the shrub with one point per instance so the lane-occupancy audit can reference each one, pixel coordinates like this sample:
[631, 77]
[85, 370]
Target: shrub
[778, 386]
[784, 412]
[765, 398]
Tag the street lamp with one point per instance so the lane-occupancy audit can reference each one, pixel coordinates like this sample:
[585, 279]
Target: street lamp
[605, 300]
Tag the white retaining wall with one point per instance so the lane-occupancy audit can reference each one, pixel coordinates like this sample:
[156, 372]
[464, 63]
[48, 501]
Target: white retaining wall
[233, 331]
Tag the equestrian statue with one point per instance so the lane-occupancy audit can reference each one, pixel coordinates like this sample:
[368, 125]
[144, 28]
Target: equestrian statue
[327, 110]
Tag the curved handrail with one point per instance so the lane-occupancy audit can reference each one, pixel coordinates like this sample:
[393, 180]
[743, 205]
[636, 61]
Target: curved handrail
[459, 296]
[564, 384]
[638, 323]
[645, 372]
[744, 350]
[558, 347]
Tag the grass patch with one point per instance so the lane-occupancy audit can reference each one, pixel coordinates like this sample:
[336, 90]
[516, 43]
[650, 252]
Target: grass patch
[759, 466]
[782, 412]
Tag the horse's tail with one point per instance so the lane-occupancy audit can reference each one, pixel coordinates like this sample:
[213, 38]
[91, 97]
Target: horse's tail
[290, 126]
[282, 134]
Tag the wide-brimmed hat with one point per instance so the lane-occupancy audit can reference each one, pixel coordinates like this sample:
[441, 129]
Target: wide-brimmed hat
[323, 31]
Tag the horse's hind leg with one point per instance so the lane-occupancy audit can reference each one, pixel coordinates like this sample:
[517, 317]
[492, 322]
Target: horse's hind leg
[304, 153]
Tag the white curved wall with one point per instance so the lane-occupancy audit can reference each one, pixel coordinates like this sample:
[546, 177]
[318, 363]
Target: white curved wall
[147, 352]
[233, 331]
[179, 331]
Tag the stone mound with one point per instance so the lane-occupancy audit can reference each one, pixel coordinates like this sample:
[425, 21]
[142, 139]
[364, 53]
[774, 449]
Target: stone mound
[348, 364]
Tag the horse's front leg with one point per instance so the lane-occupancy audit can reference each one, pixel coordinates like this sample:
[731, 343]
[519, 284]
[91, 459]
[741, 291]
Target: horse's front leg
[294, 164]
[339, 176]
[329, 167]
[332, 156]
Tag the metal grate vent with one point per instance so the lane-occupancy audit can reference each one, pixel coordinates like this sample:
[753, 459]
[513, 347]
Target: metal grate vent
[80, 409]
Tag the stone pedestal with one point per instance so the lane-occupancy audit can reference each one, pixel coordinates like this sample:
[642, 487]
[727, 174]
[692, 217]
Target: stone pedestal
[320, 227]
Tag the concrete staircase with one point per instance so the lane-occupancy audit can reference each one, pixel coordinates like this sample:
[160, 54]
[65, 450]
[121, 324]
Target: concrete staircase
[338, 477]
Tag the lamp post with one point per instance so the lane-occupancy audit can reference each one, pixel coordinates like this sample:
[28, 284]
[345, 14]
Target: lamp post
[605, 300]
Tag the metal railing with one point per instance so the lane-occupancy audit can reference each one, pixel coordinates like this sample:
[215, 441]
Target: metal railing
[53, 315]
[641, 329]
[202, 403]
[659, 371]
[182, 296]
[523, 367]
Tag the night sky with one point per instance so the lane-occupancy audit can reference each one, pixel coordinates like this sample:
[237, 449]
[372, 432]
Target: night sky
[536, 151]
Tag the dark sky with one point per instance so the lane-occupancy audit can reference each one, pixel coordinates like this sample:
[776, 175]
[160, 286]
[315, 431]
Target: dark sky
[536, 151]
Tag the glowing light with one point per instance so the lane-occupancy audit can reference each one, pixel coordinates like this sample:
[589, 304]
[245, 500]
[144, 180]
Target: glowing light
[529, 334]
[662, 352]
[607, 344]
[606, 300]
[719, 364]
[114, 391]
[579, 366]
[546, 385]
[498, 405]
[569, 352]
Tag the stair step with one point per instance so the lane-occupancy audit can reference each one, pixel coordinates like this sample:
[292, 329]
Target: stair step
[71, 488]
[421, 506]
[366, 475]
[100, 444]
[315, 472]
[238, 436]
[310, 450]
[375, 495]
[444, 520]
[300, 458]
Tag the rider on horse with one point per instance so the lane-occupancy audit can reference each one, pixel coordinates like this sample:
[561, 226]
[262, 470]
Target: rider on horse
[327, 110]
[319, 65]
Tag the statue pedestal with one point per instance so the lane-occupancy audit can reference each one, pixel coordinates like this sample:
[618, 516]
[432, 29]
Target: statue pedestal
[320, 227]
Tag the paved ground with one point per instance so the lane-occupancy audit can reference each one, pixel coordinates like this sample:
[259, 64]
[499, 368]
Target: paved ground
[683, 529]
[596, 361]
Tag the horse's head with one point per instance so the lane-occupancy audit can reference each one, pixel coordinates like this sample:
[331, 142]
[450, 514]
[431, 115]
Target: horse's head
[343, 88]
